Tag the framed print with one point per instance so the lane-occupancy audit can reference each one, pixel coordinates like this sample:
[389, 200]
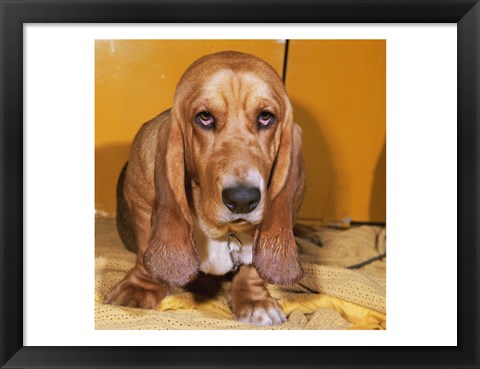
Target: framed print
[47, 316]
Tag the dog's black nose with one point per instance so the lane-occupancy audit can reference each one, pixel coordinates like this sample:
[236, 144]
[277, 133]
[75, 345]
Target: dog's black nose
[240, 199]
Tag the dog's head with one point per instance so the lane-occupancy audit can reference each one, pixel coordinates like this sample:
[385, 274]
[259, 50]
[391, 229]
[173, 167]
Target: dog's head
[232, 108]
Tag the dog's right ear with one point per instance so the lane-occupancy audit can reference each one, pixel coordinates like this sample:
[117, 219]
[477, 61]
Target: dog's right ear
[275, 252]
[171, 255]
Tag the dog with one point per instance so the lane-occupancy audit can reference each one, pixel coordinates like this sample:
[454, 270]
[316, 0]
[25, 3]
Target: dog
[213, 186]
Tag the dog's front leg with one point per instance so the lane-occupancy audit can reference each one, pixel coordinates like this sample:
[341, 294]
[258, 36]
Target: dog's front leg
[137, 290]
[250, 300]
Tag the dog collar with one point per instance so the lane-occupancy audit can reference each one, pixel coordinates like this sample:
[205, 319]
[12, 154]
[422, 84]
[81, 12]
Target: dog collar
[234, 251]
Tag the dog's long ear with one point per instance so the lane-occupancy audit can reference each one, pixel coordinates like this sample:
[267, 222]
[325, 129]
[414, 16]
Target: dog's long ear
[171, 255]
[275, 252]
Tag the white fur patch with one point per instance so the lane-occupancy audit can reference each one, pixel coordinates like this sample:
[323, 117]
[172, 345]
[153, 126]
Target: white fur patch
[215, 257]
[251, 178]
[263, 315]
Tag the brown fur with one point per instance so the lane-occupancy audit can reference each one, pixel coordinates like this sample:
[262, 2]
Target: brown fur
[248, 294]
[177, 169]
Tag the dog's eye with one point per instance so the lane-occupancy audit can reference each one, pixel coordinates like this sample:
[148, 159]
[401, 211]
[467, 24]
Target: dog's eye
[265, 119]
[205, 119]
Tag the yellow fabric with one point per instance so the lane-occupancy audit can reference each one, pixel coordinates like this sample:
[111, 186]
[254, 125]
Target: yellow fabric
[328, 297]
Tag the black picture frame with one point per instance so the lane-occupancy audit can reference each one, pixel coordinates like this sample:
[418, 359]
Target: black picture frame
[14, 14]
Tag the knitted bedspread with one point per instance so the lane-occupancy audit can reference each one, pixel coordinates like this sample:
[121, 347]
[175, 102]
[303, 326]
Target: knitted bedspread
[343, 288]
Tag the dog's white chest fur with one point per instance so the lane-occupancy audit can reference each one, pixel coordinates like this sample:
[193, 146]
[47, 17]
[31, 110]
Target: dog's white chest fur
[215, 255]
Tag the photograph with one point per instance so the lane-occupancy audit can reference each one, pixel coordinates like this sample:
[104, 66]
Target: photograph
[240, 184]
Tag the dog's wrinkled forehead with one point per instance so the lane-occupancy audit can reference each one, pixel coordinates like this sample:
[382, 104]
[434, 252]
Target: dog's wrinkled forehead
[211, 69]
[226, 88]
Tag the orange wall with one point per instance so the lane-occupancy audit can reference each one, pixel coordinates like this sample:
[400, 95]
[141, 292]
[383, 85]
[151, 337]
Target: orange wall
[337, 89]
[338, 92]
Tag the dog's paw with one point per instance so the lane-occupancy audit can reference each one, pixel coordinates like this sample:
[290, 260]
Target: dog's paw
[260, 312]
[132, 295]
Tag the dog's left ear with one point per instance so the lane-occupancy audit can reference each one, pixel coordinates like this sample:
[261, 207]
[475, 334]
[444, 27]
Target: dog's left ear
[275, 252]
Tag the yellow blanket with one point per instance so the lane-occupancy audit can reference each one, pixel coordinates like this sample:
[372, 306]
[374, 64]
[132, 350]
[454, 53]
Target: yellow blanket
[330, 296]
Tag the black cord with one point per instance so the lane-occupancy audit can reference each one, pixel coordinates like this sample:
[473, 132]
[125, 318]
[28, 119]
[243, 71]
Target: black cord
[366, 262]
[285, 59]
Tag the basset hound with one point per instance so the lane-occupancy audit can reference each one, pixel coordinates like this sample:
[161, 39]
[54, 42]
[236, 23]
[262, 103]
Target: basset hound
[213, 186]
